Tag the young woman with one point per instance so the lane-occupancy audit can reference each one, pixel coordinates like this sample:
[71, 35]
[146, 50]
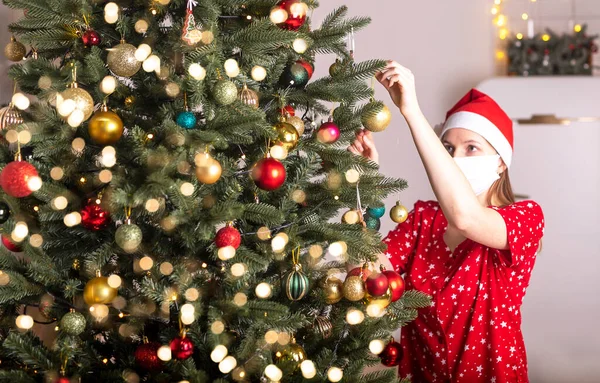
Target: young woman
[473, 250]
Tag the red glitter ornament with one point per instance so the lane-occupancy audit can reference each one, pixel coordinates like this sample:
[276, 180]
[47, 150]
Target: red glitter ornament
[288, 109]
[358, 270]
[268, 174]
[146, 356]
[328, 132]
[377, 284]
[10, 245]
[62, 379]
[182, 348]
[15, 178]
[90, 38]
[296, 14]
[93, 217]
[308, 66]
[391, 354]
[228, 236]
[396, 282]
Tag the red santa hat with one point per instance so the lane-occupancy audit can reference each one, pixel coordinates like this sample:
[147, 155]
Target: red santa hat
[478, 113]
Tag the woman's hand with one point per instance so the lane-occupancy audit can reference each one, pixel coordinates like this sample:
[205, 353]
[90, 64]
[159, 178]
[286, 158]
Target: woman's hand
[365, 146]
[400, 83]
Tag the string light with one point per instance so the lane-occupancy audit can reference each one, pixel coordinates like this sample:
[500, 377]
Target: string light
[263, 233]
[300, 45]
[263, 290]
[273, 372]
[336, 249]
[111, 13]
[151, 64]
[354, 316]
[315, 251]
[231, 68]
[520, 36]
[20, 101]
[164, 353]
[218, 353]
[217, 327]
[20, 231]
[34, 183]
[24, 322]
[335, 374]
[152, 205]
[240, 299]
[308, 369]
[258, 73]
[578, 28]
[226, 253]
[105, 176]
[143, 52]
[114, 281]
[197, 71]
[141, 26]
[187, 189]
[227, 364]
[192, 294]
[108, 85]
[271, 337]
[376, 346]
[525, 16]
[546, 37]
[238, 269]
[36, 240]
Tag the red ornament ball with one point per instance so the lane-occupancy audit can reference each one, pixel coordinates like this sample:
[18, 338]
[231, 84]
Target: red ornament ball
[391, 354]
[228, 236]
[289, 110]
[93, 217]
[357, 270]
[147, 358]
[308, 66]
[295, 12]
[328, 133]
[396, 282]
[268, 174]
[10, 245]
[377, 284]
[62, 379]
[15, 178]
[90, 38]
[182, 348]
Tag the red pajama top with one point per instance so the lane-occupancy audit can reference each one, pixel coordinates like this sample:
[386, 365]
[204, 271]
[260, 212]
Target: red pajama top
[472, 331]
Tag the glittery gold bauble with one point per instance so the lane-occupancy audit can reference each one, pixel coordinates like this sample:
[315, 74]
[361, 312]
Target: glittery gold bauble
[376, 117]
[97, 290]
[333, 290]
[129, 102]
[248, 97]
[225, 92]
[297, 123]
[292, 353]
[399, 213]
[209, 172]
[287, 135]
[83, 101]
[324, 326]
[172, 89]
[105, 127]
[382, 301]
[73, 323]
[10, 117]
[14, 51]
[121, 60]
[129, 237]
[354, 288]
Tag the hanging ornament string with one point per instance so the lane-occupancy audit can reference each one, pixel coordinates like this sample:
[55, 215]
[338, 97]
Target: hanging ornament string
[296, 256]
[351, 43]
[358, 203]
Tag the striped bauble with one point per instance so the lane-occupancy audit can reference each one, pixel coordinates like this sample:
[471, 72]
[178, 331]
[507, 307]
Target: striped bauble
[295, 284]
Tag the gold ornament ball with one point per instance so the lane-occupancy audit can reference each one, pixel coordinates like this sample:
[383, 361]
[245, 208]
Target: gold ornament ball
[377, 118]
[333, 290]
[225, 92]
[354, 288]
[399, 213]
[291, 352]
[10, 117]
[382, 301]
[210, 172]
[129, 102]
[105, 127]
[172, 89]
[14, 50]
[297, 123]
[97, 290]
[287, 135]
[249, 97]
[83, 100]
[121, 60]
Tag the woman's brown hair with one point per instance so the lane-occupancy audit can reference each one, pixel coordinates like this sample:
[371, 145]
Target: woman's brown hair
[501, 192]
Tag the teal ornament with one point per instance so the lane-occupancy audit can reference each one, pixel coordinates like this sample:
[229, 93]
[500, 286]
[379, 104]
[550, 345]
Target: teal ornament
[295, 76]
[372, 222]
[73, 323]
[186, 120]
[295, 284]
[376, 212]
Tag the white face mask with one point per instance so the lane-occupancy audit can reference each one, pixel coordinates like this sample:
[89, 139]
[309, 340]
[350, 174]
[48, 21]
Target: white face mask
[480, 171]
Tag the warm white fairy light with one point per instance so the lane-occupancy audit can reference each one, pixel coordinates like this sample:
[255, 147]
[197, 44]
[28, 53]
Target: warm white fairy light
[258, 73]
[284, 338]
[34, 183]
[20, 101]
[354, 316]
[376, 346]
[65, 107]
[187, 189]
[315, 251]
[336, 249]
[12, 136]
[99, 311]
[24, 322]
[375, 310]
[271, 336]
[273, 372]
[300, 45]
[78, 144]
[72, 219]
[114, 281]
[308, 369]
[111, 13]
[164, 353]
[152, 205]
[197, 71]
[143, 52]
[192, 294]
[59, 203]
[44, 82]
[335, 374]
[24, 137]
[227, 364]
[226, 253]
[278, 15]
[36, 240]
[146, 263]
[108, 161]
[240, 299]
[352, 176]
[231, 68]
[141, 26]
[151, 64]
[278, 152]
[218, 353]
[20, 231]
[238, 269]
[187, 309]
[56, 173]
[108, 85]
[76, 118]
[217, 327]
[263, 290]
[105, 176]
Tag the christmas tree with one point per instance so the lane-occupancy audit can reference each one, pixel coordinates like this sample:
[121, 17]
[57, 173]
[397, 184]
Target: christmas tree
[171, 181]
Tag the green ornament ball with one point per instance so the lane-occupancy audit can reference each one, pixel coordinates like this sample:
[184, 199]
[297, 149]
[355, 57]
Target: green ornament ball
[372, 222]
[129, 237]
[73, 323]
[295, 76]
[295, 284]
[225, 92]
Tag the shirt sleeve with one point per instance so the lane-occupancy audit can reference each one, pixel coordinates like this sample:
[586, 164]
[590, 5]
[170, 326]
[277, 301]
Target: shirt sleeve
[401, 241]
[525, 227]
